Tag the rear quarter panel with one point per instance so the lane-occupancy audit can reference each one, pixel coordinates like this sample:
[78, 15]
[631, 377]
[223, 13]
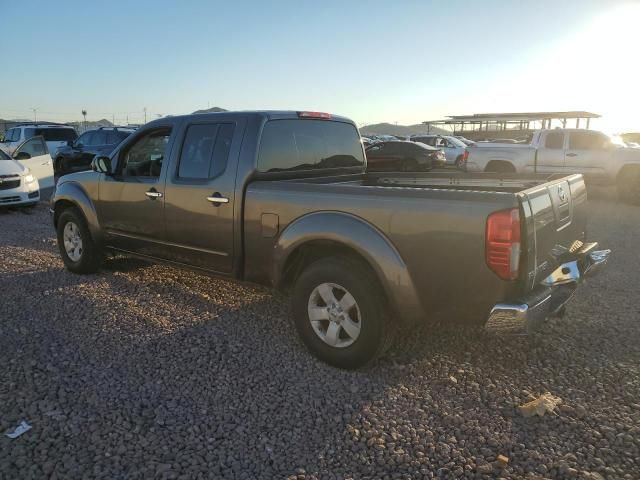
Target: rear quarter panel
[522, 157]
[439, 234]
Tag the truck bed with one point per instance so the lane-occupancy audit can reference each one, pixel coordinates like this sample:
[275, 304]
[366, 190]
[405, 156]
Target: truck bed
[434, 220]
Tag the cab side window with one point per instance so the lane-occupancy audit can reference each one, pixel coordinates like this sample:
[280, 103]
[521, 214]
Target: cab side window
[145, 156]
[99, 137]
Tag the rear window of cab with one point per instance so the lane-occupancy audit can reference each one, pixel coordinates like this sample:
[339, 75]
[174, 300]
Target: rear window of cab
[301, 145]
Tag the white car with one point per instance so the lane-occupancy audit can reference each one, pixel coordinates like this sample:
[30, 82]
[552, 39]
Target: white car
[453, 148]
[18, 186]
[56, 136]
[33, 155]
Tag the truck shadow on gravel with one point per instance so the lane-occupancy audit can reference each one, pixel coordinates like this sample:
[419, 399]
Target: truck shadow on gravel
[173, 372]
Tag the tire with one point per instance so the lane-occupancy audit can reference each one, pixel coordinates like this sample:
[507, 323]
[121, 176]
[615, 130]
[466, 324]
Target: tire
[89, 255]
[58, 169]
[500, 167]
[342, 274]
[409, 165]
[629, 186]
[459, 163]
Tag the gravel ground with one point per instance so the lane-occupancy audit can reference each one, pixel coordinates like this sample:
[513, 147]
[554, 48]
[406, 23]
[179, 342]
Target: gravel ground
[145, 371]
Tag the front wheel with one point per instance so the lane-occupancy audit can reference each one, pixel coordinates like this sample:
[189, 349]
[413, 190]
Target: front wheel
[79, 252]
[339, 313]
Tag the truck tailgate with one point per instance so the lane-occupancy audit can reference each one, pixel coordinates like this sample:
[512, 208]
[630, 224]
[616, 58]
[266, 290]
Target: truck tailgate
[555, 218]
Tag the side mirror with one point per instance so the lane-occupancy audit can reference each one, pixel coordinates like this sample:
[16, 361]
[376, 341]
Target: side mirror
[69, 143]
[101, 164]
[22, 156]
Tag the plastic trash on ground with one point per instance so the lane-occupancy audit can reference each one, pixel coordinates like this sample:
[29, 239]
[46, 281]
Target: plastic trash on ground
[541, 405]
[19, 430]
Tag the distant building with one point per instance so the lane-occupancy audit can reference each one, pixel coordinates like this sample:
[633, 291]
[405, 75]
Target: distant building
[485, 126]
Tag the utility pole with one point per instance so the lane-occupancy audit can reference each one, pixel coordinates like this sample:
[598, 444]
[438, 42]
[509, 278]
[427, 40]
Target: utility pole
[35, 115]
[145, 114]
[113, 119]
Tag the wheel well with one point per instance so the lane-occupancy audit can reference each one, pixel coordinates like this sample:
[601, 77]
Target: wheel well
[60, 207]
[500, 166]
[626, 170]
[309, 252]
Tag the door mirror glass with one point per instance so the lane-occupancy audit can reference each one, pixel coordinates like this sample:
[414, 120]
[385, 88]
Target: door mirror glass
[22, 156]
[101, 164]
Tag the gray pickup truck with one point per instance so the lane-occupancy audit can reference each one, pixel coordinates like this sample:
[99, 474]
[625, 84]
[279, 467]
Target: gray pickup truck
[283, 199]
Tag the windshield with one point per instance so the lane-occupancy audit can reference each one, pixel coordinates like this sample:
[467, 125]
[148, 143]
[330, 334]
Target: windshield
[617, 140]
[456, 141]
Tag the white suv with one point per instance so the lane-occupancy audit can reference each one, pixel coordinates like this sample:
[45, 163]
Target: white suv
[56, 136]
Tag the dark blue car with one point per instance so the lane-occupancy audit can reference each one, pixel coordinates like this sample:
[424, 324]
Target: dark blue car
[77, 155]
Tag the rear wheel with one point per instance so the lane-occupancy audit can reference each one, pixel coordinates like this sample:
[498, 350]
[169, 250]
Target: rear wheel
[629, 185]
[79, 252]
[409, 165]
[500, 167]
[460, 162]
[339, 312]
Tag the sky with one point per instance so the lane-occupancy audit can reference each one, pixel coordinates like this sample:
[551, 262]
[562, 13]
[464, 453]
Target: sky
[373, 61]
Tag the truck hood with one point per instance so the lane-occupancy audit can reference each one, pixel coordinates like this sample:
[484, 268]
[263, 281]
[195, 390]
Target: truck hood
[11, 167]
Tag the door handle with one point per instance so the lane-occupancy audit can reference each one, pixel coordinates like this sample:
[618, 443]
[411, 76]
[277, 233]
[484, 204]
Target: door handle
[153, 194]
[217, 199]
[572, 154]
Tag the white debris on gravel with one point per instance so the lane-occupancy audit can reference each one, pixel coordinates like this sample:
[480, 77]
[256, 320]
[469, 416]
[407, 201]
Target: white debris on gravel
[19, 430]
[152, 372]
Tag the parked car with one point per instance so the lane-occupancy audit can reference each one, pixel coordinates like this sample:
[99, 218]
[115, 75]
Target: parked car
[403, 156]
[601, 159]
[18, 186]
[454, 149]
[33, 154]
[56, 136]
[77, 156]
[284, 199]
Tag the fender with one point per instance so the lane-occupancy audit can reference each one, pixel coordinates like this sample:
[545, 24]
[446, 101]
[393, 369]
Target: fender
[367, 241]
[74, 193]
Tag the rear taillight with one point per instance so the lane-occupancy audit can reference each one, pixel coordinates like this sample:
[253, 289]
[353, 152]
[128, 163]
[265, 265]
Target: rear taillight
[502, 248]
[465, 155]
[323, 115]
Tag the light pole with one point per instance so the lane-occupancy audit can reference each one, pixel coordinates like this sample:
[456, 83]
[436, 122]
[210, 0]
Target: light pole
[35, 115]
[84, 114]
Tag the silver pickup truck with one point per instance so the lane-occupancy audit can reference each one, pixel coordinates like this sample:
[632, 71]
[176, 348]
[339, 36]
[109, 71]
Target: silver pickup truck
[601, 159]
[283, 199]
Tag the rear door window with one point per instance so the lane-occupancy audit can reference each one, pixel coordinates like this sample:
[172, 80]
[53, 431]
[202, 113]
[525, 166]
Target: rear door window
[299, 145]
[587, 141]
[205, 150]
[554, 140]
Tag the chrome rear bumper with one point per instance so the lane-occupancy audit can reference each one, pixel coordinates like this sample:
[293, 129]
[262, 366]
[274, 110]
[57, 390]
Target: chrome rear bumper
[553, 294]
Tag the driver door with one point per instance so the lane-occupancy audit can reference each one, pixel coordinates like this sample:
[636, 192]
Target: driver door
[131, 205]
[34, 155]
